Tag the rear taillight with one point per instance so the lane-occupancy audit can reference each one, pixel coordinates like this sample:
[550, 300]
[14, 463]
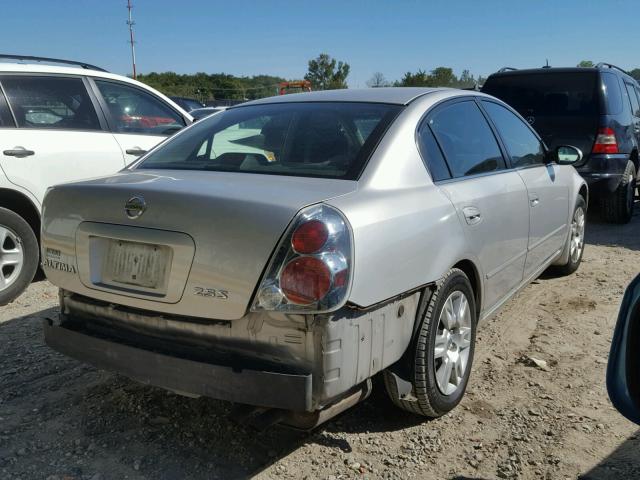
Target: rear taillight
[311, 269]
[605, 141]
[305, 280]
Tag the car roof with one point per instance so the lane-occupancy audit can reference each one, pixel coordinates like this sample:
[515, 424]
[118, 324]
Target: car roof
[393, 95]
[12, 67]
[543, 70]
[527, 71]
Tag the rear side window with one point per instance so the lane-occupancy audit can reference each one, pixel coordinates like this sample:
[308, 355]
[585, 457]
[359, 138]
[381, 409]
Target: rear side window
[135, 111]
[547, 94]
[523, 146]
[325, 139]
[431, 154]
[633, 98]
[611, 93]
[50, 102]
[466, 139]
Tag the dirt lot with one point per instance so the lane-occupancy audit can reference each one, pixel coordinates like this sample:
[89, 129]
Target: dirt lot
[60, 419]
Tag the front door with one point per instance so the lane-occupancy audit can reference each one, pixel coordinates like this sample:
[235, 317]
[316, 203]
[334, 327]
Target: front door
[58, 138]
[548, 194]
[491, 201]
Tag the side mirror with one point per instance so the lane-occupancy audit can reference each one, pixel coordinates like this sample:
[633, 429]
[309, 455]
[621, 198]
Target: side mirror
[623, 371]
[567, 155]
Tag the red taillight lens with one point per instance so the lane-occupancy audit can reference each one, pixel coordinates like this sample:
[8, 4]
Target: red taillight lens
[605, 141]
[305, 280]
[310, 237]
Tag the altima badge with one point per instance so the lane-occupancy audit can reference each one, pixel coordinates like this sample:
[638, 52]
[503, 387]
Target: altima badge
[135, 207]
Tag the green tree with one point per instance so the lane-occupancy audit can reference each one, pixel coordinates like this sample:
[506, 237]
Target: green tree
[442, 77]
[466, 80]
[418, 79]
[635, 73]
[586, 64]
[326, 73]
[212, 86]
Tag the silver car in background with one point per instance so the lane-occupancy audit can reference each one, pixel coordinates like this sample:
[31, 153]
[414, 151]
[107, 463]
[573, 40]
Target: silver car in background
[283, 252]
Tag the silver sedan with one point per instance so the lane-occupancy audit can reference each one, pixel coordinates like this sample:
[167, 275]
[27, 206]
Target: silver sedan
[281, 253]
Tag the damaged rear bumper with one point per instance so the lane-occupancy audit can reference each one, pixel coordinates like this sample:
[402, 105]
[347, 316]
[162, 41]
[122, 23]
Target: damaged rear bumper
[267, 389]
[295, 363]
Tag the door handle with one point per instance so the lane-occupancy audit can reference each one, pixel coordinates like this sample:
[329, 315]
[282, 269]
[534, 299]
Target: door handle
[19, 152]
[534, 200]
[472, 215]
[137, 151]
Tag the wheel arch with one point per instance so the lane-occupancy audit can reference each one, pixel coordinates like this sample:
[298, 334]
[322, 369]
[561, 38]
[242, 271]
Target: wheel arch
[471, 271]
[23, 206]
[584, 193]
[634, 157]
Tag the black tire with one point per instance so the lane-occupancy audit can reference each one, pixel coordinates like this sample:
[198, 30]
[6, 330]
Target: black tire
[28, 243]
[426, 397]
[572, 264]
[617, 207]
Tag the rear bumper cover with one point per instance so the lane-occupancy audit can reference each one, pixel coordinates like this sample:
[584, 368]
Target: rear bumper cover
[604, 172]
[267, 389]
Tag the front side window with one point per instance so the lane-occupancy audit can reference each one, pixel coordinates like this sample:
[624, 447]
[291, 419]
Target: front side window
[466, 139]
[326, 139]
[523, 146]
[50, 102]
[135, 111]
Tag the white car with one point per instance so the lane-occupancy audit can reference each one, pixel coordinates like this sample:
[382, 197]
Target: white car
[60, 124]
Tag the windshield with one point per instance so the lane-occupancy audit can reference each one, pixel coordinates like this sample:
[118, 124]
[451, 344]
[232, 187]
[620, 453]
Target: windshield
[331, 140]
[547, 94]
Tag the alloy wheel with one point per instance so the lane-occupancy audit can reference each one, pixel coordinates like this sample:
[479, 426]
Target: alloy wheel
[452, 343]
[11, 257]
[577, 234]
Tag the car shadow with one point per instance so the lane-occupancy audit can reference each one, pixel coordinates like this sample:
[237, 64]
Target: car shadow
[105, 423]
[624, 462]
[599, 232]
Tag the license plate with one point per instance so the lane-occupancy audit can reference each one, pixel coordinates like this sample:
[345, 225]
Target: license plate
[137, 264]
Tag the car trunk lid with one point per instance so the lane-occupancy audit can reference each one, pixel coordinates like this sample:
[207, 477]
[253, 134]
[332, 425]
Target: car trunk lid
[198, 247]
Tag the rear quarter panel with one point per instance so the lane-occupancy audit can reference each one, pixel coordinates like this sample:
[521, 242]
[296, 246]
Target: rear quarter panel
[402, 239]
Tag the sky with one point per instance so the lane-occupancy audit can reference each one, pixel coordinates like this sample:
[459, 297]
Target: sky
[249, 37]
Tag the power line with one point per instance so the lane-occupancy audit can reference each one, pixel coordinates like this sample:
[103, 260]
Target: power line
[131, 23]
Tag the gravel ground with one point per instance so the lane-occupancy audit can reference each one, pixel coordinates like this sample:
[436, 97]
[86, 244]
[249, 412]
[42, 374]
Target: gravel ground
[61, 420]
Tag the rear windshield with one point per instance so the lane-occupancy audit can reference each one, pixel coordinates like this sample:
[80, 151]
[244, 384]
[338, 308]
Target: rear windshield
[547, 94]
[331, 140]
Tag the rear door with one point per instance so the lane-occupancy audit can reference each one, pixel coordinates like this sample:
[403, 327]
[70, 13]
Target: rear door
[491, 201]
[547, 189]
[138, 119]
[59, 136]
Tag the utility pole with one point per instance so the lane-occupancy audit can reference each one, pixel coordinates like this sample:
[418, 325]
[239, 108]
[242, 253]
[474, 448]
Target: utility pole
[131, 23]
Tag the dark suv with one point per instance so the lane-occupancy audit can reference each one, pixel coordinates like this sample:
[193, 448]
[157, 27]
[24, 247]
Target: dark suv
[595, 109]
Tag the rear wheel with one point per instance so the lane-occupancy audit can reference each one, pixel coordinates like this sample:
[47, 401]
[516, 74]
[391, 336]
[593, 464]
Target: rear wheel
[575, 243]
[19, 255]
[618, 206]
[442, 351]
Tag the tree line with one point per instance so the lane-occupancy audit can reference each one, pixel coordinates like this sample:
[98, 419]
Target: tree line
[324, 72]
